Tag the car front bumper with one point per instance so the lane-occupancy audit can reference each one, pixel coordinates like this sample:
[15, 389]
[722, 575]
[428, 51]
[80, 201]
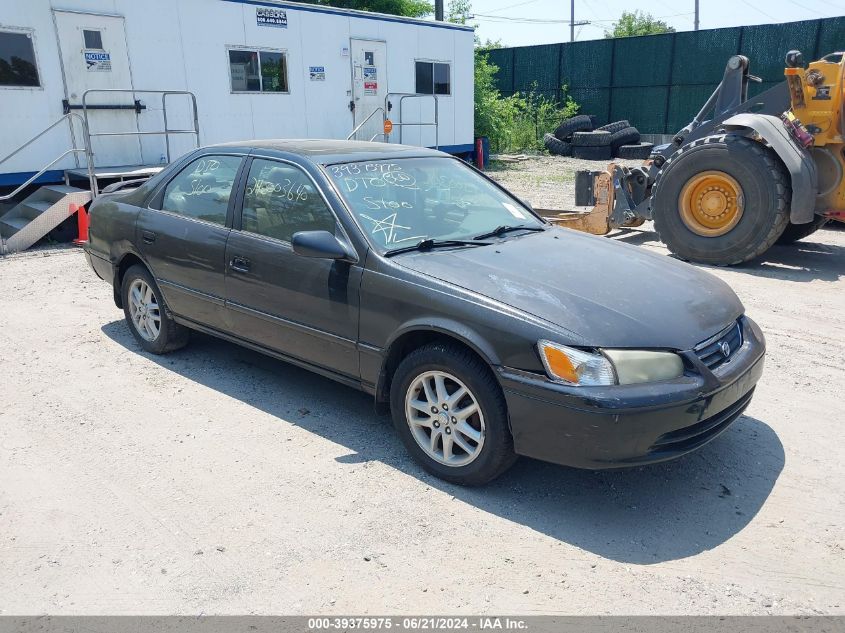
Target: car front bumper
[628, 425]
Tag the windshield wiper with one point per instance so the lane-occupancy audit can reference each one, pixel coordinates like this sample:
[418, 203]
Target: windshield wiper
[507, 228]
[428, 244]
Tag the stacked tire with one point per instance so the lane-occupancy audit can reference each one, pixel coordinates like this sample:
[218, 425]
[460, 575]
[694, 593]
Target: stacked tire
[578, 137]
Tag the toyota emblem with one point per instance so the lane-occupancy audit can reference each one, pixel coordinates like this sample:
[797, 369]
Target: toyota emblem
[726, 349]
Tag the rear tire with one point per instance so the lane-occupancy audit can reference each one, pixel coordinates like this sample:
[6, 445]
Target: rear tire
[615, 126]
[579, 123]
[591, 139]
[625, 136]
[640, 151]
[794, 232]
[556, 146]
[147, 314]
[593, 153]
[692, 225]
[484, 433]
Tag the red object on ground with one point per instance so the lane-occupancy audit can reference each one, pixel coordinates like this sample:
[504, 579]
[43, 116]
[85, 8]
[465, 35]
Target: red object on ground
[479, 153]
[81, 222]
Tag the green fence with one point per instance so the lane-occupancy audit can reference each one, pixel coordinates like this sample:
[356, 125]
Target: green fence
[659, 82]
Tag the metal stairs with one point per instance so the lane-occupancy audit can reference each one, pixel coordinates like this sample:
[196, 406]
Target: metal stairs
[38, 214]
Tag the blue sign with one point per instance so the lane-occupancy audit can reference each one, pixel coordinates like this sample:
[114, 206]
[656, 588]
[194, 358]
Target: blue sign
[99, 61]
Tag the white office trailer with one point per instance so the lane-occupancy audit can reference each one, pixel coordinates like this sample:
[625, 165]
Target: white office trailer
[225, 69]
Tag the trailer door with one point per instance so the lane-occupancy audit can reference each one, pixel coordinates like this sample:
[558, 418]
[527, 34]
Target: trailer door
[94, 55]
[369, 86]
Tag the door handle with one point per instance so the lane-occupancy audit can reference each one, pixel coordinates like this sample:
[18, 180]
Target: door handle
[239, 264]
[148, 237]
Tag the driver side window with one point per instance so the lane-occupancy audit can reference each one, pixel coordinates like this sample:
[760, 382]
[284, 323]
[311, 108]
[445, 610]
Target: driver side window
[280, 199]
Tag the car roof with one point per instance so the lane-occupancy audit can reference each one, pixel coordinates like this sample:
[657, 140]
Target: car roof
[329, 151]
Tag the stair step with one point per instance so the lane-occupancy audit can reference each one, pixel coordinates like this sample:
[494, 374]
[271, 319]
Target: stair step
[63, 189]
[11, 226]
[32, 209]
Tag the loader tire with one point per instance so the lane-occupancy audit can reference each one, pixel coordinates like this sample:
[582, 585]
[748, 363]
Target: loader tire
[592, 153]
[794, 232]
[591, 139]
[641, 150]
[721, 200]
[568, 127]
[614, 127]
[556, 146]
[625, 136]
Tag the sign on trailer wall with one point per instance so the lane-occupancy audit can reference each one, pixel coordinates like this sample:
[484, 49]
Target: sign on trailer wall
[271, 17]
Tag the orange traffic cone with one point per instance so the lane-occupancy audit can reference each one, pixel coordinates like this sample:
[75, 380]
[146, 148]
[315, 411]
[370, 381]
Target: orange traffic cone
[81, 222]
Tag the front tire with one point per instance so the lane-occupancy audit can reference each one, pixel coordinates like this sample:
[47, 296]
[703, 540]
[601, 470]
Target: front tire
[795, 232]
[721, 200]
[147, 314]
[451, 415]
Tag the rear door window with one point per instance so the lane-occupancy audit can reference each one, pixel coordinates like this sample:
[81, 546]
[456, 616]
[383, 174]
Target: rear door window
[202, 189]
[280, 199]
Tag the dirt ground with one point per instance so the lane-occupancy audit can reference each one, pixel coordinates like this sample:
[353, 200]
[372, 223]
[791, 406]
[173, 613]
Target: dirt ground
[217, 481]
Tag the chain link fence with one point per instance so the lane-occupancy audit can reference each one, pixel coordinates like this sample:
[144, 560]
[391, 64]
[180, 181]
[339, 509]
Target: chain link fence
[659, 82]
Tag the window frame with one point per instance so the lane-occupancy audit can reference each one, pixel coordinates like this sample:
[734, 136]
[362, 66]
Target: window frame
[22, 30]
[432, 62]
[258, 50]
[156, 200]
[237, 223]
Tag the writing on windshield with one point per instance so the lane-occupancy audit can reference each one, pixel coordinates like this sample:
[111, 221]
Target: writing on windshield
[401, 202]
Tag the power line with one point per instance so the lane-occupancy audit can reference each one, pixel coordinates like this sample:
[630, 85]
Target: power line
[505, 18]
[771, 17]
[513, 6]
[798, 4]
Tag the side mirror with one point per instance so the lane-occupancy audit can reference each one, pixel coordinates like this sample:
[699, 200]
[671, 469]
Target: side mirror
[322, 245]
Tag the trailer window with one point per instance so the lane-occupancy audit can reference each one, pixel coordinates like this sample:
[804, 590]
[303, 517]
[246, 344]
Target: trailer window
[17, 60]
[258, 71]
[433, 78]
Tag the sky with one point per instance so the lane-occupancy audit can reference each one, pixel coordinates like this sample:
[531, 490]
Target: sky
[525, 22]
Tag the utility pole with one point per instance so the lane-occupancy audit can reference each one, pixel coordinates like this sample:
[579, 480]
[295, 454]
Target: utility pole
[572, 22]
[696, 15]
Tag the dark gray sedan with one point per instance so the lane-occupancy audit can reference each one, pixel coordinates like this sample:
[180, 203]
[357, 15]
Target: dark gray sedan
[406, 273]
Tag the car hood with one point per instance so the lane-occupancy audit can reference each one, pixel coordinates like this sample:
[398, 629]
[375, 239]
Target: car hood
[609, 293]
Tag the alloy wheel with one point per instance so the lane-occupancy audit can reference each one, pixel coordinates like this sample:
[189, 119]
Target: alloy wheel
[445, 418]
[144, 310]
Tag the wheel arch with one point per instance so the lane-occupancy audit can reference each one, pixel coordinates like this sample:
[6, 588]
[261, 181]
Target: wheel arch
[799, 164]
[124, 263]
[416, 335]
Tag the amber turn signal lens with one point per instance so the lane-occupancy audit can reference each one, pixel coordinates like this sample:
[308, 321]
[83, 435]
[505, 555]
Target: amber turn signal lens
[559, 364]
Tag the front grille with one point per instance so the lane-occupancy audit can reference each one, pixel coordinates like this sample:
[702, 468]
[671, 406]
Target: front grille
[695, 435]
[712, 351]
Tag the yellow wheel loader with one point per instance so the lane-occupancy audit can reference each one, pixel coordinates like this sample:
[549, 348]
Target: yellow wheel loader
[759, 171]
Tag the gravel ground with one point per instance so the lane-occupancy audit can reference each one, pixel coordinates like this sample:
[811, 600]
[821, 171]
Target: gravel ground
[216, 480]
[547, 182]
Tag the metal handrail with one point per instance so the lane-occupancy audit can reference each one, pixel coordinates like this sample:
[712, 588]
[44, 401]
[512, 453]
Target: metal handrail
[166, 132]
[32, 179]
[73, 150]
[414, 95]
[361, 124]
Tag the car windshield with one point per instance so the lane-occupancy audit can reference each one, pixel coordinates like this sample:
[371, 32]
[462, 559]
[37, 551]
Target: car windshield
[401, 202]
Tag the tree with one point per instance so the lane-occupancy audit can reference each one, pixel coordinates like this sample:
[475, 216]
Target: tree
[405, 8]
[637, 23]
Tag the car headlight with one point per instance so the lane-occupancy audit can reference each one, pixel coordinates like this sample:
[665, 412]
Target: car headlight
[610, 367]
[635, 366]
[575, 366]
